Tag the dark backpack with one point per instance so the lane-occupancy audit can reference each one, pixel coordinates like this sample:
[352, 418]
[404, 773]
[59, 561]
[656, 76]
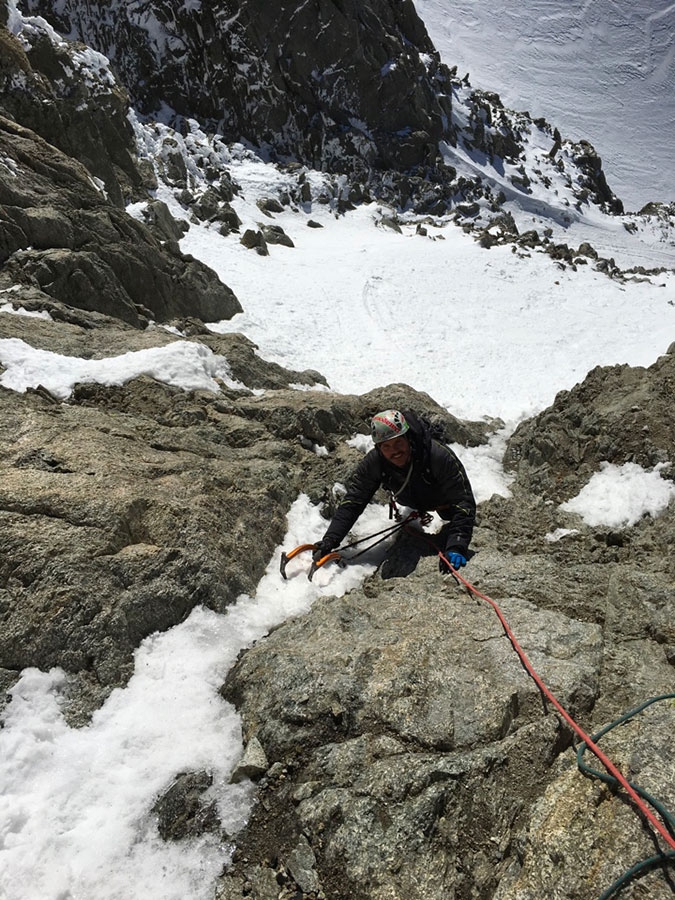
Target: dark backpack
[423, 433]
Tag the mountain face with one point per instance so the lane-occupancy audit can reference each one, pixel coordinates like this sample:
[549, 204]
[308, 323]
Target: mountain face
[338, 85]
[392, 117]
[327, 82]
[401, 752]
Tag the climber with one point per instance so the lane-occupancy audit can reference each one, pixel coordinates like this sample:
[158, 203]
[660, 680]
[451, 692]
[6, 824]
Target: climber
[418, 472]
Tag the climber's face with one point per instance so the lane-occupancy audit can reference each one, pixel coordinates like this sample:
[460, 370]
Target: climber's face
[396, 451]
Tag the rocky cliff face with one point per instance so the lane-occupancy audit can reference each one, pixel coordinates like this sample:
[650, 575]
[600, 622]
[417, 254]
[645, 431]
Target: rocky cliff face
[67, 94]
[405, 742]
[347, 87]
[69, 163]
[371, 87]
[400, 749]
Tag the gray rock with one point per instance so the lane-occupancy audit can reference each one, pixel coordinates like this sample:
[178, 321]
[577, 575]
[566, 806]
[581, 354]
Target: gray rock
[85, 118]
[438, 704]
[269, 205]
[390, 223]
[232, 888]
[109, 513]
[254, 240]
[181, 811]
[95, 257]
[253, 763]
[275, 234]
[618, 414]
[77, 278]
[84, 249]
[261, 883]
[228, 216]
[301, 863]
[562, 856]
[379, 698]
[163, 223]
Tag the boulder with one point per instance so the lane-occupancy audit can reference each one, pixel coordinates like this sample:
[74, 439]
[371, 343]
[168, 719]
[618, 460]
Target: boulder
[162, 223]
[617, 414]
[404, 734]
[86, 252]
[255, 240]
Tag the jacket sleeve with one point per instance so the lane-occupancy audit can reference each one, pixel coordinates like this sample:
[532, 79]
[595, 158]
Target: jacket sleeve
[361, 488]
[458, 505]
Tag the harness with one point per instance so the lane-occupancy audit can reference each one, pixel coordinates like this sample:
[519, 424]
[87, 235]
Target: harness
[424, 516]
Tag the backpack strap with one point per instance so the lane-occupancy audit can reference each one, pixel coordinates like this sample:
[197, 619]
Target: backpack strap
[422, 431]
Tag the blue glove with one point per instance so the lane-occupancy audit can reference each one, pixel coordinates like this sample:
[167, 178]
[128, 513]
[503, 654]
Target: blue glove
[455, 559]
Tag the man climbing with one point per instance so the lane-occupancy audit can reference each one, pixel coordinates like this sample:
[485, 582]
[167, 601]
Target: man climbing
[418, 472]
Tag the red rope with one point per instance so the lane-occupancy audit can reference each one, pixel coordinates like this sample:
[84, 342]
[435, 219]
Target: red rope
[607, 763]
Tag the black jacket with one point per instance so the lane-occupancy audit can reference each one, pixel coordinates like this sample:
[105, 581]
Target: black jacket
[437, 482]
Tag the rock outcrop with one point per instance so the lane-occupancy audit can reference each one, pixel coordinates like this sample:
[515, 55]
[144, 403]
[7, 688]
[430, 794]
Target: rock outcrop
[68, 163]
[345, 87]
[372, 89]
[408, 746]
[66, 93]
[617, 414]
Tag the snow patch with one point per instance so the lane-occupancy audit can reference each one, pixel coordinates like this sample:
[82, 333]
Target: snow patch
[619, 496]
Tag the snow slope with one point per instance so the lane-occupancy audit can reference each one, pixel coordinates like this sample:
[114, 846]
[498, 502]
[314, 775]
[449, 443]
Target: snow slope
[600, 70]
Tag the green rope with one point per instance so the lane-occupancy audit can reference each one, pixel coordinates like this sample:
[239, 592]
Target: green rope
[654, 862]
[638, 870]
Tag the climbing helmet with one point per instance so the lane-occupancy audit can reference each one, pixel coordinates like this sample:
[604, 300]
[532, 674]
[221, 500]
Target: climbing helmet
[387, 425]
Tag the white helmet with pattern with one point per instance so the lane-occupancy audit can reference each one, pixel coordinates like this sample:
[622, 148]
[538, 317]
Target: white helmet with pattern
[387, 425]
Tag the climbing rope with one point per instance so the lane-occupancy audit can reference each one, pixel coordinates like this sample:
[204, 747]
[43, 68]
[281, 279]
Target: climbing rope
[590, 743]
[637, 871]
[613, 775]
[387, 532]
[654, 862]
[668, 819]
